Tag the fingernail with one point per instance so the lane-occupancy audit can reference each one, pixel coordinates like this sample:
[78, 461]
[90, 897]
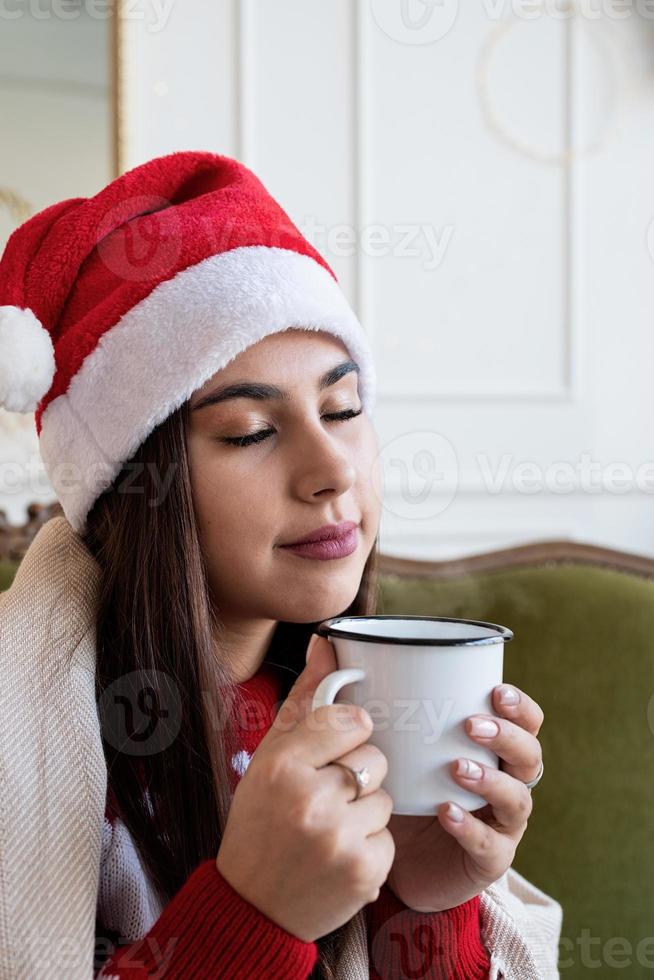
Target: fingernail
[469, 769]
[508, 695]
[484, 728]
[454, 812]
[311, 644]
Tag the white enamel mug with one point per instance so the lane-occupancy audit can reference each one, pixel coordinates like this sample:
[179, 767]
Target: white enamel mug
[419, 678]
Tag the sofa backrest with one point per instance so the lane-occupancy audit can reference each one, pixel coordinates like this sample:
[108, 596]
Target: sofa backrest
[583, 623]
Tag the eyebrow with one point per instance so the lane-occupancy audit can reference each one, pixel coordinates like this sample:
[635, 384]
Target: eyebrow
[263, 392]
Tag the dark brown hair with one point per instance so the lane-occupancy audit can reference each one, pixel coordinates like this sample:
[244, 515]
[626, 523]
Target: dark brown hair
[157, 641]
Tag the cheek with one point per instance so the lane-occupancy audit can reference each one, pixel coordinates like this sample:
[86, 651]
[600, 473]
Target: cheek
[233, 512]
[370, 473]
[214, 492]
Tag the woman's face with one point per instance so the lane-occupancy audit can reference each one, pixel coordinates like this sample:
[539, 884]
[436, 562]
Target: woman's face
[309, 470]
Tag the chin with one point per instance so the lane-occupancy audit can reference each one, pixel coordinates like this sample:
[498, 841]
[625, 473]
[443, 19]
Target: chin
[315, 609]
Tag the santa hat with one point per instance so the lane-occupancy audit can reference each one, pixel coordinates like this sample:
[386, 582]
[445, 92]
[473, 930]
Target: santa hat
[115, 308]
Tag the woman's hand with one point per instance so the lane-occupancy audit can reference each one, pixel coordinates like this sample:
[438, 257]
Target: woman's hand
[439, 862]
[294, 845]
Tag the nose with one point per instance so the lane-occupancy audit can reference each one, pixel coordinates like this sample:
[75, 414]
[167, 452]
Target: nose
[325, 465]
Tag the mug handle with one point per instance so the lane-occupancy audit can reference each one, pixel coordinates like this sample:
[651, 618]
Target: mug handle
[330, 685]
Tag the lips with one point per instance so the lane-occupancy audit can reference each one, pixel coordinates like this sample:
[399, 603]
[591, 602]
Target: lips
[328, 532]
[326, 549]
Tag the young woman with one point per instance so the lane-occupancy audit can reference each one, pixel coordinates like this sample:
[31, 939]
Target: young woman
[203, 397]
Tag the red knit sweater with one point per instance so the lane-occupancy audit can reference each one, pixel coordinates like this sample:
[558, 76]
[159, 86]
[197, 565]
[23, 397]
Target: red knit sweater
[208, 930]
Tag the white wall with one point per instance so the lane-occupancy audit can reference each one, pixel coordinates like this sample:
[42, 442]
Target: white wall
[509, 152]
[478, 176]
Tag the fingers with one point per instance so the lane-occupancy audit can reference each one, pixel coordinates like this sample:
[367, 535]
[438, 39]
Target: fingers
[298, 703]
[519, 750]
[509, 797]
[373, 811]
[322, 734]
[524, 712]
[368, 756]
[327, 733]
[491, 850]
[379, 849]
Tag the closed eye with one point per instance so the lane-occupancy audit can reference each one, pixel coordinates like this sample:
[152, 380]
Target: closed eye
[255, 437]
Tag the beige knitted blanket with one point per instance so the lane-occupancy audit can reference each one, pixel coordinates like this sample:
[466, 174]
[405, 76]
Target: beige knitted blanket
[53, 785]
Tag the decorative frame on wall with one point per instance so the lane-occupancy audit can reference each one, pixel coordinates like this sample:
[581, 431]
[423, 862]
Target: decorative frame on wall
[118, 90]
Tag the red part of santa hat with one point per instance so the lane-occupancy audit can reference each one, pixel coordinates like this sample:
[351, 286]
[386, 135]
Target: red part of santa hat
[115, 308]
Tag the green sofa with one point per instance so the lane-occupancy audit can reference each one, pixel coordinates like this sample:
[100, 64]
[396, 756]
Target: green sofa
[7, 571]
[583, 623]
[583, 648]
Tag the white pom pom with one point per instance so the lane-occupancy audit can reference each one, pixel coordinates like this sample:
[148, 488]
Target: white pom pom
[27, 362]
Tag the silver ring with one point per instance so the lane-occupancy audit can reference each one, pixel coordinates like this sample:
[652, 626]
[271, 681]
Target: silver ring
[361, 776]
[530, 785]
